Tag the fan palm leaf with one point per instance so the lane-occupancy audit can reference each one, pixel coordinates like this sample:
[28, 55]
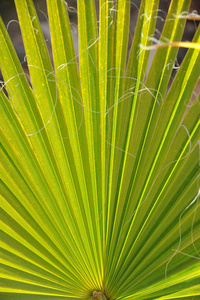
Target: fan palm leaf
[100, 157]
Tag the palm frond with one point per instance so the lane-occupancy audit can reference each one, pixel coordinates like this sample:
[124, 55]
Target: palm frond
[100, 157]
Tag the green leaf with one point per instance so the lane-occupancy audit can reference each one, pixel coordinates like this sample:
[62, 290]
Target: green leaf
[100, 156]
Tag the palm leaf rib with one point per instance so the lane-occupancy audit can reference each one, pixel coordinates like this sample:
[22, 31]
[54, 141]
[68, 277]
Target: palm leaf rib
[100, 156]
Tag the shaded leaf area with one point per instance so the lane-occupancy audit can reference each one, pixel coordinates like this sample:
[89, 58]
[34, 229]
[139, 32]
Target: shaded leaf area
[100, 157]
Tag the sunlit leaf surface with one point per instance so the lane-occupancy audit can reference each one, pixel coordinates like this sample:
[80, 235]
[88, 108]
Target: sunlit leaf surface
[100, 156]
